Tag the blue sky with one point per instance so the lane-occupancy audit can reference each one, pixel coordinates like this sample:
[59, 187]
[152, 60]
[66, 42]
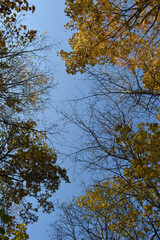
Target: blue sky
[49, 16]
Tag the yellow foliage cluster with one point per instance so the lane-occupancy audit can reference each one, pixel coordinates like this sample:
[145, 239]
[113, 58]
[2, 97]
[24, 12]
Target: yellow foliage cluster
[130, 201]
[9, 11]
[124, 33]
[18, 233]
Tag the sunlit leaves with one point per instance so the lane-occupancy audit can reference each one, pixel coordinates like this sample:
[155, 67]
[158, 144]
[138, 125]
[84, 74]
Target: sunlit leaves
[18, 233]
[119, 209]
[130, 201]
[9, 13]
[125, 33]
[75, 222]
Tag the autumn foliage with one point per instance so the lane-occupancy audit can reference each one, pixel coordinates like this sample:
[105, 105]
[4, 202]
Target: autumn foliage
[123, 33]
[130, 200]
[116, 44]
[28, 166]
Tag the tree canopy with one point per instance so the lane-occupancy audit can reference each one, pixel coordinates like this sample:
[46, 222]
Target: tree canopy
[28, 167]
[77, 222]
[130, 200]
[114, 32]
[116, 45]
[122, 34]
